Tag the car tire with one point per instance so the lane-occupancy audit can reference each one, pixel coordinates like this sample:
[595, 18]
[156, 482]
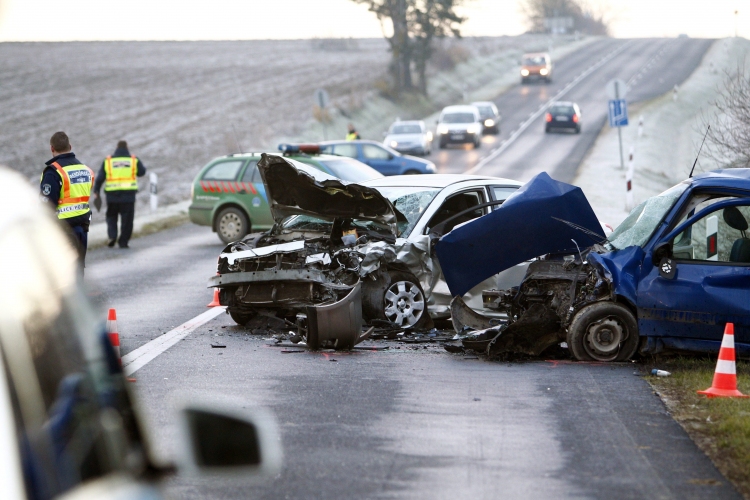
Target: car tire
[578, 129]
[477, 143]
[232, 224]
[546, 130]
[441, 144]
[412, 172]
[604, 331]
[403, 301]
[241, 318]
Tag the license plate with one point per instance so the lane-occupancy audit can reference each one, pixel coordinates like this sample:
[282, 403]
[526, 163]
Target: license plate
[561, 118]
[457, 137]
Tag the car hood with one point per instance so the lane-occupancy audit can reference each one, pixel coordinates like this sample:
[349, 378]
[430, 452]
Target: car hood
[404, 138]
[291, 191]
[543, 216]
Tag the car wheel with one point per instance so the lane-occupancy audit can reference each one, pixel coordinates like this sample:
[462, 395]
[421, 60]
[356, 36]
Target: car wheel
[232, 224]
[578, 129]
[241, 318]
[404, 301]
[477, 144]
[412, 172]
[546, 130]
[441, 144]
[604, 331]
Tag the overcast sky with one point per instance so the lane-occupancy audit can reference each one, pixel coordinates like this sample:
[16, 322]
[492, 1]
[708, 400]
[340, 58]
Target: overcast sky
[53, 20]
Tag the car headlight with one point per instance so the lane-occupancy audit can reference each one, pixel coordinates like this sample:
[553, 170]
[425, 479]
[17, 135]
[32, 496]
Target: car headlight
[489, 122]
[394, 144]
[442, 129]
[474, 128]
[429, 136]
[524, 72]
[543, 71]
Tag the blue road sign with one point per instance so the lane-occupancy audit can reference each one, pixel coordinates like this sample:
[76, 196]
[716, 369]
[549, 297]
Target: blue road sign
[618, 113]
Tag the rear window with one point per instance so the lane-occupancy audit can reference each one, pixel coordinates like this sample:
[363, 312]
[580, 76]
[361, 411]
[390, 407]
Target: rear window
[458, 118]
[562, 110]
[406, 129]
[350, 170]
[223, 171]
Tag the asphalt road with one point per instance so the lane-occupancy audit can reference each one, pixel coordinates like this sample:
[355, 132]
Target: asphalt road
[400, 423]
[651, 67]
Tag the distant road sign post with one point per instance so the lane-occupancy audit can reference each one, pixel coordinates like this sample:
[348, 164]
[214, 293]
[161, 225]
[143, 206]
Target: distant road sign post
[618, 109]
[321, 99]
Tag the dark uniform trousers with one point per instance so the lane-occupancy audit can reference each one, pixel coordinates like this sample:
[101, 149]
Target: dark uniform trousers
[127, 212]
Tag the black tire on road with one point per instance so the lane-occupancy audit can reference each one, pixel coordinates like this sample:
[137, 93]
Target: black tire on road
[578, 129]
[241, 318]
[604, 331]
[412, 172]
[232, 224]
[441, 144]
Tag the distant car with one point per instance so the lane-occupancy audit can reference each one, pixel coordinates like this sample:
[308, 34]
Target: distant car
[459, 124]
[490, 116]
[409, 137]
[563, 115]
[68, 424]
[536, 66]
[382, 158]
[228, 194]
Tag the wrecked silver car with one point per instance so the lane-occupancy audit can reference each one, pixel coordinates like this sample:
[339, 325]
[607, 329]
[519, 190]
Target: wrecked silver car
[331, 237]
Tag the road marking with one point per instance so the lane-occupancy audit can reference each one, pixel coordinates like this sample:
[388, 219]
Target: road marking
[138, 358]
[510, 140]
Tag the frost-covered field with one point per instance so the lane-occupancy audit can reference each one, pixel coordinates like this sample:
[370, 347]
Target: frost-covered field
[176, 103]
[672, 134]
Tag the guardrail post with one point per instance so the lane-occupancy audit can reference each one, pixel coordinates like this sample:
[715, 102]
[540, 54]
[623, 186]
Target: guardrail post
[153, 187]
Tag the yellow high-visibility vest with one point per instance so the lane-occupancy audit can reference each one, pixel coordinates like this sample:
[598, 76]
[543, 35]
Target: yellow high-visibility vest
[352, 136]
[121, 174]
[77, 183]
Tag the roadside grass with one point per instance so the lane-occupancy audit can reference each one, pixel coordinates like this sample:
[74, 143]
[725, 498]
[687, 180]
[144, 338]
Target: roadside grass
[719, 426]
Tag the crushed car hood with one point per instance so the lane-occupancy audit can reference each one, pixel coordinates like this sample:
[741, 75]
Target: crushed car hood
[542, 217]
[292, 191]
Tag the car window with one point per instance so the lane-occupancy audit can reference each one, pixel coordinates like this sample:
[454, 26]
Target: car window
[251, 173]
[372, 152]
[502, 193]
[720, 235]
[455, 205]
[411, 128]
[71, 404]
[535, 61]
[562, 110]
[223, 171]
[458, 118]
[351, 170]
[349, 150]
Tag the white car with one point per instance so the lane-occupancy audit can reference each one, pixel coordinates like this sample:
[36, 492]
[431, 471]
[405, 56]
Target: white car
[460, 124]
[409, 137]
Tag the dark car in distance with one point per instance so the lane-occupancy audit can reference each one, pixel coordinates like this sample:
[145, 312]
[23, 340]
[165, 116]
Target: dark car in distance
[563, 116]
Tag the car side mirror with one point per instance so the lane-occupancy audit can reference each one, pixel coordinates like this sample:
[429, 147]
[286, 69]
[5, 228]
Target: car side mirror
[437, 122]
[228, 441]
[661, 251]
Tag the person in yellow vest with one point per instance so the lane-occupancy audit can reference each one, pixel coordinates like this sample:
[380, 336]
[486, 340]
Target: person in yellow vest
[66, 185]
[119, 174]
[353, 135]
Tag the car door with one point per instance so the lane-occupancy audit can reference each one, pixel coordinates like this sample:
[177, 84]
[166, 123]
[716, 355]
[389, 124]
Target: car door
[711, 255]
[440, 295]
[380, 159]
[252, 195]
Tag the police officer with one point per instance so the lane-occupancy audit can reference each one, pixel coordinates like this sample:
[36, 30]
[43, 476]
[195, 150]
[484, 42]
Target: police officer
[118, 174]
[66, 185]
[353, 135]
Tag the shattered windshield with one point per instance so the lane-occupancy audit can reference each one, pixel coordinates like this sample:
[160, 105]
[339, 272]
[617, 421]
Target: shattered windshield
[411, 202]
[638, 227]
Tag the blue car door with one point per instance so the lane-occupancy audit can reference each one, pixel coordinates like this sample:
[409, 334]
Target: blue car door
[711, 285]
[381, 159]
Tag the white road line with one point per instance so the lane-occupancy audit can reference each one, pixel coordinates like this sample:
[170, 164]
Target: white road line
[541, 110]
[138, 358]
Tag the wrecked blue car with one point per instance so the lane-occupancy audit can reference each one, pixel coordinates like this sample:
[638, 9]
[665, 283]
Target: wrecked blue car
[668, 278]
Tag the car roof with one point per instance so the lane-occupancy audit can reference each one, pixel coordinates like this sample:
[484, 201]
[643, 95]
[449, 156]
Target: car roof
[418, 122]
[536, 54]
[482, 103]
[730, 177]
[433, 180]
[322, 156]
[562, 103]
[460, 108]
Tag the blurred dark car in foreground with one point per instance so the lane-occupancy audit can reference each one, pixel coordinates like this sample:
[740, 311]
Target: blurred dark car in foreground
[67, 421]
[563, 116]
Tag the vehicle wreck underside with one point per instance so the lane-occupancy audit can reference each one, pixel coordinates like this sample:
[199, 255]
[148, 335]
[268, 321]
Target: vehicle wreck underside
[539, 311]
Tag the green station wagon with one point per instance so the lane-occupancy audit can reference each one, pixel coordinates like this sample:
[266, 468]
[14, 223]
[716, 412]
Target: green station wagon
[228, 193]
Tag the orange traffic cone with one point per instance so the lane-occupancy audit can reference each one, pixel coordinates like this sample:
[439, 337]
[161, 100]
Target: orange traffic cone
[725, 377]
[114, 337]
[215, 302]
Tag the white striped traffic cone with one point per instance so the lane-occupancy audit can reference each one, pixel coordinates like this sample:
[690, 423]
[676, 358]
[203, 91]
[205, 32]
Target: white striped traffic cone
[725, 376]
[114, 337]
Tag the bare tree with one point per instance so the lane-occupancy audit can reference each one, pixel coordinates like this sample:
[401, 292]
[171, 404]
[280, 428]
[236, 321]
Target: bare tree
[728, 140]
[414, 26]
[588, 17]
